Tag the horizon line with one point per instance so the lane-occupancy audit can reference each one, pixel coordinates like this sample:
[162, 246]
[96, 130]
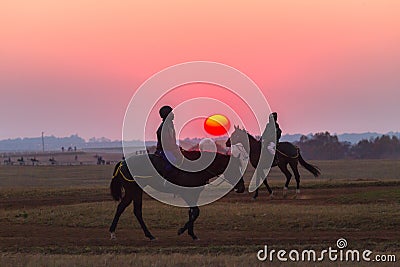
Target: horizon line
[98, 139]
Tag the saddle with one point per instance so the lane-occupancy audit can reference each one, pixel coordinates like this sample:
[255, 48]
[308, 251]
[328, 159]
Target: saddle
[163, 167]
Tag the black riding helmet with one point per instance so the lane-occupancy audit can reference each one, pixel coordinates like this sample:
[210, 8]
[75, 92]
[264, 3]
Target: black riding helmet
[164, 112]
[273, 115]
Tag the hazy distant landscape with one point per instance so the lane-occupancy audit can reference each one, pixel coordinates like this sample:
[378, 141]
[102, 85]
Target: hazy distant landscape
[53, 143]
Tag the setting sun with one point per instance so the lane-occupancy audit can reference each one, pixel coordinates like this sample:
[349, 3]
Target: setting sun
[217, 124]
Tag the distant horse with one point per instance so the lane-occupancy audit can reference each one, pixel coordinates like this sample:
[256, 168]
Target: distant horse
[100, 161]
[8, 161]
[34, 160]
[53, 161]
[286, 153]
[139, 165]
[21, 161]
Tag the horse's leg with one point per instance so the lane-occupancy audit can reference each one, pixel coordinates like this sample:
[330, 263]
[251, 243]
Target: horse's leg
[271, 194]
[125, 202]
[255, 194]
[239, 187]
[137, 210]
[194, 213]
[293, 165]
[268, 188]
[185, 227]
[283, 167]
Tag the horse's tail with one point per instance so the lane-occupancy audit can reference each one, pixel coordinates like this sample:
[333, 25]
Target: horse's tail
[311, 168]
[116, 183]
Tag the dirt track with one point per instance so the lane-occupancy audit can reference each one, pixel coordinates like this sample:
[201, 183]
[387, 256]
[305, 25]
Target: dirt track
[307, 196]
[61, 239]
[22, 238]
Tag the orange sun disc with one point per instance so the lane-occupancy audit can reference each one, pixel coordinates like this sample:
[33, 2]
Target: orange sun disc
[217, 124]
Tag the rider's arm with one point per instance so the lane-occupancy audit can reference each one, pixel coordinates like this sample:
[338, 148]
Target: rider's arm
[169, 142]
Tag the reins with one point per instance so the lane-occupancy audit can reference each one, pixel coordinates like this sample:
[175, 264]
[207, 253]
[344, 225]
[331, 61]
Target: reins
[123, 175]
[294, 157]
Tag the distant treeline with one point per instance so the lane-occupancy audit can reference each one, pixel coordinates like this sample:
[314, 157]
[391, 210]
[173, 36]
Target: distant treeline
[327, 146]
[53, 143]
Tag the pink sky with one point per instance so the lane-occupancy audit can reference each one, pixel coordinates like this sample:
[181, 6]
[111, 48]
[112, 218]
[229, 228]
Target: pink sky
[71, 67]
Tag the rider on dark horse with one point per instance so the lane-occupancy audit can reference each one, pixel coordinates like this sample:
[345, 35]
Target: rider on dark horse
[273, 120]
[166, 141]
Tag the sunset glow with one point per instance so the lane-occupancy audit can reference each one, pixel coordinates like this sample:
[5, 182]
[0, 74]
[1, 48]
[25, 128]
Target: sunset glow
[70, 67]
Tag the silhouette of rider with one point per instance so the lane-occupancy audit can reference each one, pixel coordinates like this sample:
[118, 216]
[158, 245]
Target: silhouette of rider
[273, 120]
[166, 139]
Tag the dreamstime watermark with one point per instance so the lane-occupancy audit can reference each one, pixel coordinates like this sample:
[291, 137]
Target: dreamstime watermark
[338, 253]
[147, 100]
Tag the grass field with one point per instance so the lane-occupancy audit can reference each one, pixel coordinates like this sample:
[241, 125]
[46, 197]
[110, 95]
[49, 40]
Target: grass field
[59, 216]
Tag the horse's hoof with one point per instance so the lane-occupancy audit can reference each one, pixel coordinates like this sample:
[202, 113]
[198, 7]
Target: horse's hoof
[271, 196]
[195, 238]
[113, 236]
[297, 191]
[181, 231]
[151, 238]
[254, 198]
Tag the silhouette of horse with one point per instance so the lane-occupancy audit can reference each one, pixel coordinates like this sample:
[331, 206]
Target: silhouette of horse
[142, 165]
[286, 153]
[53, 161]
[34, 160]
[8, 161]
[21, 161]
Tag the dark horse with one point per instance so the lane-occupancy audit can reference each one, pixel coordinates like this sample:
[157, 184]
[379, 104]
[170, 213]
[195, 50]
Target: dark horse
[286, 153]
[139, 166]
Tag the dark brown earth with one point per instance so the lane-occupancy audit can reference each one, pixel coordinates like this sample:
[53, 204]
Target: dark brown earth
[15, 237]
[308, 196]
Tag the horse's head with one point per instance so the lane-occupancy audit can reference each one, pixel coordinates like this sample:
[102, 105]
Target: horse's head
[238, 136]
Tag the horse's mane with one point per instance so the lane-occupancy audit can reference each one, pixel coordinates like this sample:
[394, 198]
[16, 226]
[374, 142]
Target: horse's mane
[252, 137]
[249, 135]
